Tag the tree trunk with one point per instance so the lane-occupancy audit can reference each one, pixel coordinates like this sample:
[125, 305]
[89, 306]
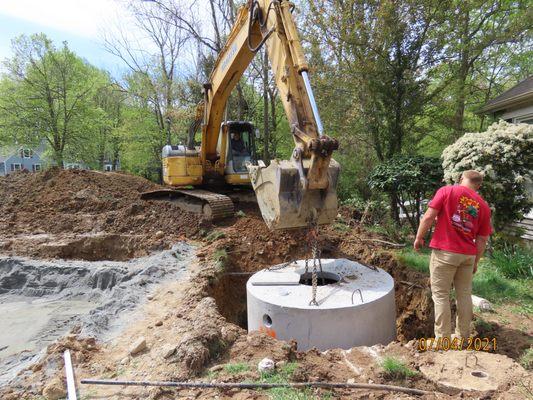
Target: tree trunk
[462, 75]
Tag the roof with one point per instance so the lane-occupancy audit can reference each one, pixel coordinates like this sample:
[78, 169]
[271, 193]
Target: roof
[11, 150]
[519, 93]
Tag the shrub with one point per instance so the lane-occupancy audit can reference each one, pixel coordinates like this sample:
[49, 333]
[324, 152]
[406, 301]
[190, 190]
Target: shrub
[504, 153]
[408, 179]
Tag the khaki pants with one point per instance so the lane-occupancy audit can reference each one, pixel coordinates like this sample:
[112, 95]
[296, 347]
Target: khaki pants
[446, 268]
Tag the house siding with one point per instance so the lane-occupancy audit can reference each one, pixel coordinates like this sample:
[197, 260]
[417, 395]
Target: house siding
[25, 163]
[2, 168]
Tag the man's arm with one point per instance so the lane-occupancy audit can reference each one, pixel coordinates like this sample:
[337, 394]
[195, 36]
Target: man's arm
[481, 244]
[425, 223]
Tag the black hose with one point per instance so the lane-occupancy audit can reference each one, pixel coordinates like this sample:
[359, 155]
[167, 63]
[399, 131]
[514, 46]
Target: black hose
[262, 24]
[258, 385]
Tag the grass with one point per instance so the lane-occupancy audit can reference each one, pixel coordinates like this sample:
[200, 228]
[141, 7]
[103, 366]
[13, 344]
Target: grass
[283, 375]
[215, 235]
[236, 368]
[526, 359]
[488, 282]
[220, 256]
[340, 226]
[415, 260]
[395, 369]
[513, 261]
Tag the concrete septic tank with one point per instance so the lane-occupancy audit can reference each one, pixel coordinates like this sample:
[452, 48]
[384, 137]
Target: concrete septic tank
[355, 305]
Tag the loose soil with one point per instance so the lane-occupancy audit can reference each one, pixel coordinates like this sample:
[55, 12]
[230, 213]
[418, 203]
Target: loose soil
[194, 328]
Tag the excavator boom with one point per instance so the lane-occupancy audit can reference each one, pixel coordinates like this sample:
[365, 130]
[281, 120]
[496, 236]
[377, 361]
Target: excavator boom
[290, 193]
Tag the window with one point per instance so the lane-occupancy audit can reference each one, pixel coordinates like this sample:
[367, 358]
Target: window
[108, 167]
[36, 167]
[26, 153]
[16, 167]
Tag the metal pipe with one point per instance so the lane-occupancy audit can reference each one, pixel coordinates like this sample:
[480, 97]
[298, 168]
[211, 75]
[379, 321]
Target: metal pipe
[258, 385]
[311, 96]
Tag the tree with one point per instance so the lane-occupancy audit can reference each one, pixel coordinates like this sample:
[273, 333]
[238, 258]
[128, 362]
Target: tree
[504, 154]
[46, 94]
[409, 180]
[153, 80]
[475, 28]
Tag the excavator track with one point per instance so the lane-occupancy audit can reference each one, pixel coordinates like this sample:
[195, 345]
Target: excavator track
[213, 206]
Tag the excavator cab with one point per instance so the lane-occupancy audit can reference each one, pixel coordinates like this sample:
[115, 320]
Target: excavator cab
[240, 147]
[236, 148]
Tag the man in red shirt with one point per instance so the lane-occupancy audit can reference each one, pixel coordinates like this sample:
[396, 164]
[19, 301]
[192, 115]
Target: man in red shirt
[461, 233]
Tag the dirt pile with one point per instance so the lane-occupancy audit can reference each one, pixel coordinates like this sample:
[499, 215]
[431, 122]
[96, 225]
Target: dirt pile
[87, 215]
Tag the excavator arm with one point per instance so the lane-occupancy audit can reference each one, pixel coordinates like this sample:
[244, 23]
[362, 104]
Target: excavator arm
[290, 193]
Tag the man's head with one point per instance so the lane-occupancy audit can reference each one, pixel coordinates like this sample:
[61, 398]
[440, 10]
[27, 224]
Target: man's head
[236, 136]
[472, 179]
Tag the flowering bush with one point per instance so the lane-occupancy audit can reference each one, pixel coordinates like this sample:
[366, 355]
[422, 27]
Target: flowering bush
[504, 154]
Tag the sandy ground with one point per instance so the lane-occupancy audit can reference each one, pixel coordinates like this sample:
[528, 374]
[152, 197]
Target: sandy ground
[193, 328]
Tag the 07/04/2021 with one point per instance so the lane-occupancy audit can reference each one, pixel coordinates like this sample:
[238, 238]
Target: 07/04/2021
[445, 343]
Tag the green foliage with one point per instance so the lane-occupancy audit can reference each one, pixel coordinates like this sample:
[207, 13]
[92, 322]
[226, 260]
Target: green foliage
[491, 285]
[220, 256]
[513, 261]
[504, 154]
[526, 359]
[408, 179]
[48, 94]
[215, 235]
[283, 375]
[236, 368]
[395, 369]
[416, 260]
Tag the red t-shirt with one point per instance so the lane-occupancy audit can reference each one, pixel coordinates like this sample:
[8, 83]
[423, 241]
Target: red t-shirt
[463, 215]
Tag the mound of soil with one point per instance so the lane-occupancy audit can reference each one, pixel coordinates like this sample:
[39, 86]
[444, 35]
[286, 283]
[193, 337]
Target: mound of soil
[87, 215]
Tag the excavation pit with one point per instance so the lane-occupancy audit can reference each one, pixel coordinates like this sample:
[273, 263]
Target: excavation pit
[355, 305]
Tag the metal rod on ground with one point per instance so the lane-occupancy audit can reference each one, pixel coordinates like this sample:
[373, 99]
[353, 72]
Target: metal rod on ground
[232, 385]
[69, 372]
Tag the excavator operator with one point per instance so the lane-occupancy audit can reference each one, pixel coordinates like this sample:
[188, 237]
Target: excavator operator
[238, 148]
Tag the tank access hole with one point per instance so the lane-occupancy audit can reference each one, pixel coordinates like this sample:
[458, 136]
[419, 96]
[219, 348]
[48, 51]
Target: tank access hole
[323, 278]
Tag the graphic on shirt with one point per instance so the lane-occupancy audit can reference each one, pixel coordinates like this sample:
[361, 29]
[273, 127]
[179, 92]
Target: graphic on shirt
[467, 211]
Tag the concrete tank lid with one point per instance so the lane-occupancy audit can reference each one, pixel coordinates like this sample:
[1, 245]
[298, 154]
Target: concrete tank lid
[281, 286]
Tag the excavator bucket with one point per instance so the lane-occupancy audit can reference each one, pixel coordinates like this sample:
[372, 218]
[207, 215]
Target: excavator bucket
[283, 201]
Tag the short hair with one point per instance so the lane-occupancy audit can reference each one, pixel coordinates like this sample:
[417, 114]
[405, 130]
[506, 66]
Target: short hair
[473, 176]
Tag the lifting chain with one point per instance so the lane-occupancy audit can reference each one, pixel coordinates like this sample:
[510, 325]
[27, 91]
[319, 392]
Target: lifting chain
[312, 239]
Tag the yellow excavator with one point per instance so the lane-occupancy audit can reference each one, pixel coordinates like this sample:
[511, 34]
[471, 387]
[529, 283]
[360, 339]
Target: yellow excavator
[290, 193]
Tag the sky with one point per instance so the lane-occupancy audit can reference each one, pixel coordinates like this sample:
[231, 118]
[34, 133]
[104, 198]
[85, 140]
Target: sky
[79, 22]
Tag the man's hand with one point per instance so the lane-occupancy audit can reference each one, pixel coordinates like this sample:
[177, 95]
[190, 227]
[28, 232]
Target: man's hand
[418, 244]
[425, 223]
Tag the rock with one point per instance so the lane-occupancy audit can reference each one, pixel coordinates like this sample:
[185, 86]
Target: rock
[138, 346]
[481, 303]
[158, 323]
[281, 364]
[266, 365]
[55, 390]
[159, 234]
[168, 351]
[216, 368]
[150, 297]
[351, 380]
[125, 360]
